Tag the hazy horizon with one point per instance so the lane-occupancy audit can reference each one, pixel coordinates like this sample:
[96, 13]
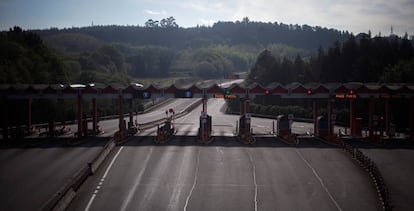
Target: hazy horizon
[345, 15]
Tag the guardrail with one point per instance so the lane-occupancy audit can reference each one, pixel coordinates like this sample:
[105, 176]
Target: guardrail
[375, 174]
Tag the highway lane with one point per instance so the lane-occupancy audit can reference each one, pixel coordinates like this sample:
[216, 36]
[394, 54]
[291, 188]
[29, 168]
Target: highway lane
[110, 126]
[30, 176]
[395, 161]
[226, 175]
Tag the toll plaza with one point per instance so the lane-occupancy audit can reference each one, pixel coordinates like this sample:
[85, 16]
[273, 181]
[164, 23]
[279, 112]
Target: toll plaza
[379, 121]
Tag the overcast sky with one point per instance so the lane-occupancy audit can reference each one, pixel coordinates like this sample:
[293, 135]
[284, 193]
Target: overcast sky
[353, 15]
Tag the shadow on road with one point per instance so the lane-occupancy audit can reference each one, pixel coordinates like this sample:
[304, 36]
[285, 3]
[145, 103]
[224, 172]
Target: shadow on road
[227, 141]
[389, 144]
[55, 143]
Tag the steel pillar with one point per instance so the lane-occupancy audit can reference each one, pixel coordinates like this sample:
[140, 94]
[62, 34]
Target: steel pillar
[94, 116]
[246, 105]
[315, 117]
[204, 104]
[371, 116]
[131, 112]
[242, 107]
[5, 119]
[352, 118]
[80, 116]
[29, 114]
[387, 116]
[121, 115]
[412, 116]
[330, 125]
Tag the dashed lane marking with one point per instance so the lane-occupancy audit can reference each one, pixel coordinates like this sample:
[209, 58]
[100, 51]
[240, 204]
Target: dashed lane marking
[88, 206]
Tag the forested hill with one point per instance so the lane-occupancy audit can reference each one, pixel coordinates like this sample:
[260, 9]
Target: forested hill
[221, 33]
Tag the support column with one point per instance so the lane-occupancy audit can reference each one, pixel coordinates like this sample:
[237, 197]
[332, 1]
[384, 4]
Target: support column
[315, 118]
[94, 116]
[330, 125]
[80, 116]
[121, 115]
[29, 115]
[387, 116]
[242, 107]
[131, 112]
[204, 104]
[371, 116]
[412, 116]
[352, 125]
[246, 105]
[5, 120]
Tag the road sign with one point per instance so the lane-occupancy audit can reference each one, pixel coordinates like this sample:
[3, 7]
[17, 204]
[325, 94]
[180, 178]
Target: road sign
[188, 94]
[290, 116]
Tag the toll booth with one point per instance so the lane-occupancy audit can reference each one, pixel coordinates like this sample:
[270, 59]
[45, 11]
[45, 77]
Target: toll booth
[244, 125]
[283, 126]
[204, 131]
[85, 127]
[356, 129]
[245, 133]
[323, 129]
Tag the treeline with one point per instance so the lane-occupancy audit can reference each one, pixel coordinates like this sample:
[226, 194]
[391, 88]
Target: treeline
[167, 33]
[162, 48]
[25, 59]
[361, 58]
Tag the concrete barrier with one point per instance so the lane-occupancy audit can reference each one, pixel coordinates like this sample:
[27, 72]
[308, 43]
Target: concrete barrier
[94, 165]
[64, 196]
[371, 167]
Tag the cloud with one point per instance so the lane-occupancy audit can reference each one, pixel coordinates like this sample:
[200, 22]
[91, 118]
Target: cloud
[353, 15]
[154, 12]
[208, 22]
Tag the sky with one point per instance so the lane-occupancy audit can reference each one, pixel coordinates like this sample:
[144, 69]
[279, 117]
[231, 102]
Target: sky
[346, 15]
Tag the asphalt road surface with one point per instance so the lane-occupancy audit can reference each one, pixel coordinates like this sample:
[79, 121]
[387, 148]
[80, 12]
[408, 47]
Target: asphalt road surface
[225, 175]
[32, 171]
[29, 176]
[395, 161]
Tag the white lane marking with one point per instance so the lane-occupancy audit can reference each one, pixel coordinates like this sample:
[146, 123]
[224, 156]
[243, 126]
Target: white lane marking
[132, 191]
[254, 179]
[194, 183]
[88, 206]
[319, 179]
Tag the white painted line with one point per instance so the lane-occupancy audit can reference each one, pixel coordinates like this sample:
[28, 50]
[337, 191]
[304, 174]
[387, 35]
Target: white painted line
[132, 191]
[320, 179]
[88, 206]
[90, 202]
[112, 162]
[254, 180]
[194, 183]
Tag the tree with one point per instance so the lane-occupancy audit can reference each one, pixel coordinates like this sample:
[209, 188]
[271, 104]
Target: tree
[168, 23]
[151, 23]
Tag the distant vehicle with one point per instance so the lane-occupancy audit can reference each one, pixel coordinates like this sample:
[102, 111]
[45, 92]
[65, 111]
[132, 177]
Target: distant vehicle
[77, 85]
[136, 85]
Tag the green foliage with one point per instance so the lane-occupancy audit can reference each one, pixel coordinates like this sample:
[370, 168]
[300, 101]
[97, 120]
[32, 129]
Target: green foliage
[25, 59]
[378, 59]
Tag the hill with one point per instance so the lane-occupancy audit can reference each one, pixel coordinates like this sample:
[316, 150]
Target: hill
[160, 50]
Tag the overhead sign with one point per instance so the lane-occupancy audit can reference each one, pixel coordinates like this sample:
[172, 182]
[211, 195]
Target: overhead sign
[142, 94]
[229, 96]
[346, 96]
